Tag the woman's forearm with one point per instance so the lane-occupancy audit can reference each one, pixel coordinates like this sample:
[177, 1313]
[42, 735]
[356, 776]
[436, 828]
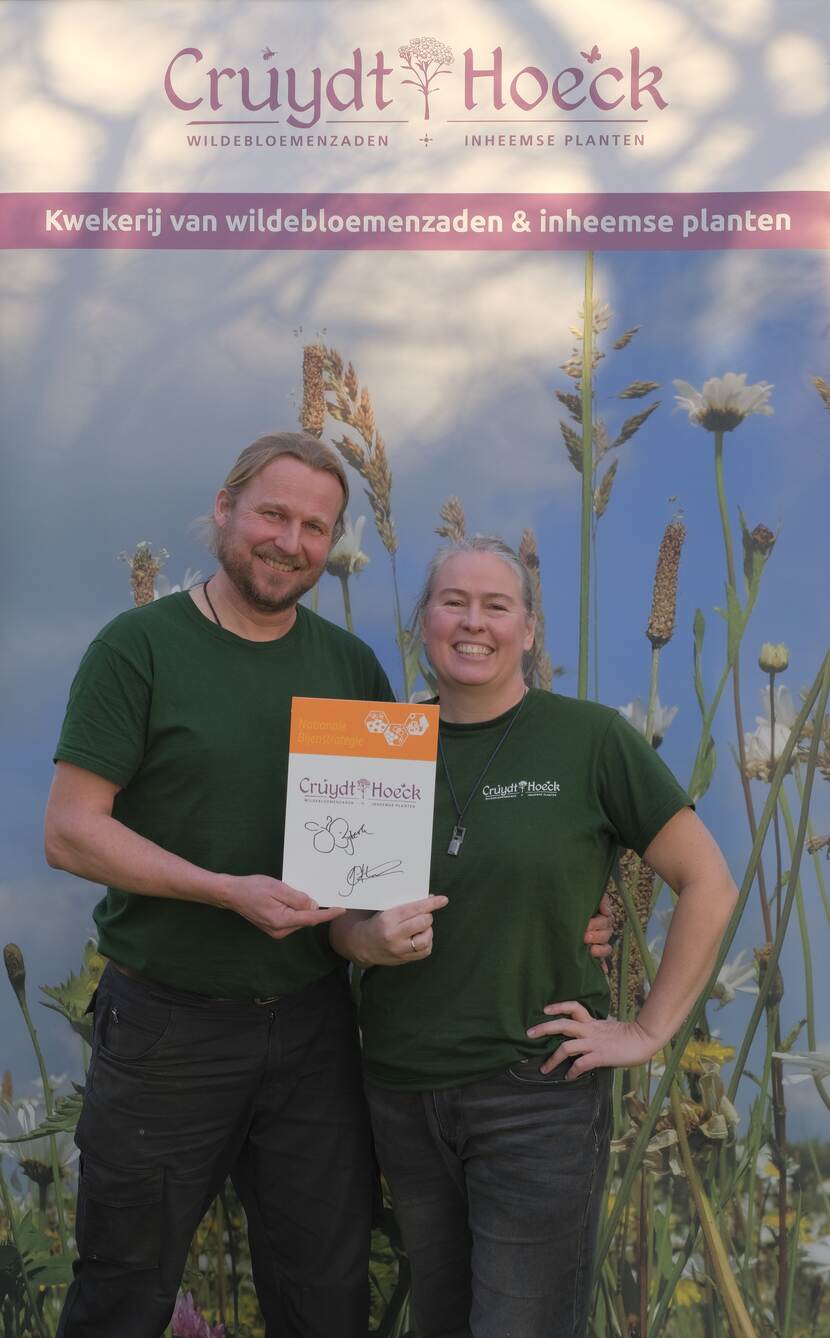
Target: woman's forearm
[700, 917]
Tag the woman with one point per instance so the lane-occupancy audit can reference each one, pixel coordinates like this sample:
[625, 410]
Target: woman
[490, 1103]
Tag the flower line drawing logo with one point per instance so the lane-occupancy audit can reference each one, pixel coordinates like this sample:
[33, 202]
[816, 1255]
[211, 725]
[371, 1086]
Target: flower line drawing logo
[418, 56]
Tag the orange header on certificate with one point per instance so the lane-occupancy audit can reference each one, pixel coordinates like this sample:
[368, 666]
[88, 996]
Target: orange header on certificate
[395, 730]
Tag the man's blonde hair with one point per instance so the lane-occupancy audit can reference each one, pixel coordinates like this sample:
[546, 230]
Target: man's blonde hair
[302, 446]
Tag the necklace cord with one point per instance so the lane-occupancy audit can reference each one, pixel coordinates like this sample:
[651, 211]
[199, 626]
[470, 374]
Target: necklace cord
[461, 811]
[210, 601]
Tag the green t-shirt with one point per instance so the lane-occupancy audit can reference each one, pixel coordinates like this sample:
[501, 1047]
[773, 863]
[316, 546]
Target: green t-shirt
[572, 783]
[193, 722]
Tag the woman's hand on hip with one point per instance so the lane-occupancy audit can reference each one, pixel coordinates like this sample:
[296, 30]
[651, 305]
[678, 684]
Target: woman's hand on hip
[593, 1042]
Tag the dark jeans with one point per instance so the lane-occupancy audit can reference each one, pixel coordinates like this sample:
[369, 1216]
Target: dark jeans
[496, 1186]
[182, 1092]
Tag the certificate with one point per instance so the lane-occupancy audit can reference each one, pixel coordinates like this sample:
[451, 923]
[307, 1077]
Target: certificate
[358, 813]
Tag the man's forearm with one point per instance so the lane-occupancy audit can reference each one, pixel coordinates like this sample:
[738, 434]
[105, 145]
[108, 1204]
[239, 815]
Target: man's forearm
[346, 937]
[99, 847]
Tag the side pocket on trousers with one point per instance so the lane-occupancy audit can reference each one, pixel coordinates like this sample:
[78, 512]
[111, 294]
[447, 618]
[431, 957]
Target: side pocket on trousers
[119, 1214]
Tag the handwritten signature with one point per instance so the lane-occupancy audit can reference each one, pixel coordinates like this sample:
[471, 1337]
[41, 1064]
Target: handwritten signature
[336, 834]
[360, 873]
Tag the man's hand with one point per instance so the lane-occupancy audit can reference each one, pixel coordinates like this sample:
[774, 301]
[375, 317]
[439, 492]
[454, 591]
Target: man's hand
[274, 907]
[389, 938]
[593, 1042]
[599, 931]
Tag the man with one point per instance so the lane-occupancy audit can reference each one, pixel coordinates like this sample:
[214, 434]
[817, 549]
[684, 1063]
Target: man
[225, 1041]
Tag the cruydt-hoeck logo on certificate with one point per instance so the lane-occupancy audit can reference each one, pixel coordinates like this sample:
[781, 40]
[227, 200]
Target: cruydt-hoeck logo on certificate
[360, 790]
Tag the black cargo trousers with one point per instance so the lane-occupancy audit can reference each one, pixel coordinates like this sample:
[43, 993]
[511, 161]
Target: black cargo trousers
[183, 1091]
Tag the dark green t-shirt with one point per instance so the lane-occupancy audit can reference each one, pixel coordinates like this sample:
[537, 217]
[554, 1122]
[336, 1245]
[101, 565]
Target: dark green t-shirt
[572, 783]
[193, 722]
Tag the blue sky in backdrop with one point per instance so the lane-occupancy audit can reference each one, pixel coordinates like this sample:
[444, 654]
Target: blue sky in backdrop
[133, 379]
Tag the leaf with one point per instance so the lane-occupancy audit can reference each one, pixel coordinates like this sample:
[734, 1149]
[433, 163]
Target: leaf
[792, 1036]
[428, 677]
[63, 1120]
[699, 627]
[49, 1270]
[748, 547]
[704, 770]
[412, 648]
[72, 997]
[40, 1265]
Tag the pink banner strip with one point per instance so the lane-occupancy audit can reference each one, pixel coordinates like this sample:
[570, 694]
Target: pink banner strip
[420, 222]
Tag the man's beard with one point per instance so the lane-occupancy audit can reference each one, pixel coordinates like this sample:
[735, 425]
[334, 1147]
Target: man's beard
[239, 574]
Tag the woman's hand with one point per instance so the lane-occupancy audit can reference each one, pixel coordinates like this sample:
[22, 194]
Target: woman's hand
[593, 1042]
[397, 936]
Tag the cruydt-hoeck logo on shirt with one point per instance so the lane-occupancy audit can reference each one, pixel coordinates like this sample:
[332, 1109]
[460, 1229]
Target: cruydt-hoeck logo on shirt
[523, 789]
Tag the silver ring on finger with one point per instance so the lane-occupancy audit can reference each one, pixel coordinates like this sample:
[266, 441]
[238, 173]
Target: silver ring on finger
[413, 945]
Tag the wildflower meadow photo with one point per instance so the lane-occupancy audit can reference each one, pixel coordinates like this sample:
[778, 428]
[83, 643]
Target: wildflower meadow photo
[557, 277]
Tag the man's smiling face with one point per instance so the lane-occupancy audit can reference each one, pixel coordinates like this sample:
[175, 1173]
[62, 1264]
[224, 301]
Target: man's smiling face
[274, 541]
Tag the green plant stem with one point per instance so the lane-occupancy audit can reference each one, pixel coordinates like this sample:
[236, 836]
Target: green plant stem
[595, 573]
[779, 1125]
[652, 693]
[754, 1150]
[732, 605]
[399, 633]
[786, 1319]
[587, 472]
[347, 603]
[31, 1294]
[818, 690]
[776, 825]
[806, 952]
[48, 1102]
[643, 1252]
[739, 1321]
[822, 885]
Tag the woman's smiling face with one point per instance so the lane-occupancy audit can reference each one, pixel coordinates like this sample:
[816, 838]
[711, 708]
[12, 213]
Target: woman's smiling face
[475, 626]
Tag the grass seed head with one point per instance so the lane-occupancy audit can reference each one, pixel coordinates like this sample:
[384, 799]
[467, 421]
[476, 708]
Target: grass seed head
[823, 389]
[144, 568]
[454, 526]
[660, 629]
[313, 414]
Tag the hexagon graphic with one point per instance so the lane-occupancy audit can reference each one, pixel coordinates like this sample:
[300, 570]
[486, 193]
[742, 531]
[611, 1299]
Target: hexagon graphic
[396, 736]
[416, 723]
[377, 722]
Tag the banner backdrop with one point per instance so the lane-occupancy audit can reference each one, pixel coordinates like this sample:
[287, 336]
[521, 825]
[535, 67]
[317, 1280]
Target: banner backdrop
[195, 193]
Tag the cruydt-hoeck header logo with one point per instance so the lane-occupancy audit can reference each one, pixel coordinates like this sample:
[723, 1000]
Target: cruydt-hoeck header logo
[472, 86]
